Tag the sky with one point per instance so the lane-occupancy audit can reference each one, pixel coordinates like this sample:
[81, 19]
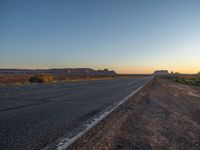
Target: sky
[128, 36]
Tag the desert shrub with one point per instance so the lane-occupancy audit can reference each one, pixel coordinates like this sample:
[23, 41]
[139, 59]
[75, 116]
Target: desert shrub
[41, 78]
[184, 80]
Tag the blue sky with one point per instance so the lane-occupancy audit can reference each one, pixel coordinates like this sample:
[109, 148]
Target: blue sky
[125, 35]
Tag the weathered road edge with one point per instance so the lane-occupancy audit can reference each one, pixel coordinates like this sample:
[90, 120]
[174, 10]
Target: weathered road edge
[100, 134]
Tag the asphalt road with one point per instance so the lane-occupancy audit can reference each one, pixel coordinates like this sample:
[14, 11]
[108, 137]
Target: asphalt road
[32, 117]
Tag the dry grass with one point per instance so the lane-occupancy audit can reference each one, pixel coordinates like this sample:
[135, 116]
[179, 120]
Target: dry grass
[14, 79]
[21, 79]
[190, 80]
[42, 78]
[66, 78]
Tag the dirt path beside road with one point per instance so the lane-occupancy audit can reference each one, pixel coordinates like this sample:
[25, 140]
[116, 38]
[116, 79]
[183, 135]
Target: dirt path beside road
[168, 118]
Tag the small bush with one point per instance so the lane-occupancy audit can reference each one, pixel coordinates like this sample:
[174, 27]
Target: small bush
[41, 78]
[189, 81]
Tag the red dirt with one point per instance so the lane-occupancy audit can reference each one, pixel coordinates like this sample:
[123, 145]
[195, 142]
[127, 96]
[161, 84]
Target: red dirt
[168, 118]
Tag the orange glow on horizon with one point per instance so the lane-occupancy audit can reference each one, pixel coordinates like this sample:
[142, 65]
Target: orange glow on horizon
[120, 69]
[149, 70]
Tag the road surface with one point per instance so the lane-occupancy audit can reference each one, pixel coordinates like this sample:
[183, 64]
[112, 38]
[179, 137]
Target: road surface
[34, 116]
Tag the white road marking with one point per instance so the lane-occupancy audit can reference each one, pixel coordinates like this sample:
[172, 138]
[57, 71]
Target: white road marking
[66, 142]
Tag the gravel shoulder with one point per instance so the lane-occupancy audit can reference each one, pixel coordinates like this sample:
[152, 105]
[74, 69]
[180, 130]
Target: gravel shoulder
[163, 115]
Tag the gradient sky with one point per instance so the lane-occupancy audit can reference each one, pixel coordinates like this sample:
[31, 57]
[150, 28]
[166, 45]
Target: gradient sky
[129, 36]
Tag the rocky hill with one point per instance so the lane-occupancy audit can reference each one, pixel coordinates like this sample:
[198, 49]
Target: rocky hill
[161, 72]
[65, 71]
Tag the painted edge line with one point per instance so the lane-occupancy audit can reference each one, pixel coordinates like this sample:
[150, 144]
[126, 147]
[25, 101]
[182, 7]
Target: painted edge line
[64, 144]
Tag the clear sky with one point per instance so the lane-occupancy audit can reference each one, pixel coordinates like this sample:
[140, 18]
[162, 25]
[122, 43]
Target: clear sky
[128, 36]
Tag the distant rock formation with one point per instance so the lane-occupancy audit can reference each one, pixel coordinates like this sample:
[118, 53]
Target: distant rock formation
[161, 72]
[65, 71]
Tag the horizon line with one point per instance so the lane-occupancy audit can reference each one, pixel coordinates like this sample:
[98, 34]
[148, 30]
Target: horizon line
[170, 72]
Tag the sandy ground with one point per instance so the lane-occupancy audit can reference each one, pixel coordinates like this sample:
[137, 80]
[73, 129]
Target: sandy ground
[163, 116]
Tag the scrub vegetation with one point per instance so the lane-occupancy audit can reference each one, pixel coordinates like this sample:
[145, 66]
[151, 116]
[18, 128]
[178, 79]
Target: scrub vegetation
[186, 80]
[43, 78]
[26, 79]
